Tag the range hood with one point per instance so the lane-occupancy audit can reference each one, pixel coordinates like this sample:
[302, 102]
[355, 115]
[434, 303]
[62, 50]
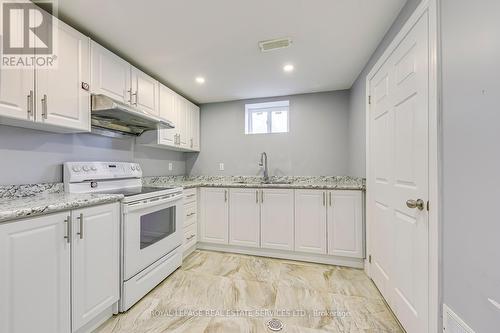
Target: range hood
[117, 119]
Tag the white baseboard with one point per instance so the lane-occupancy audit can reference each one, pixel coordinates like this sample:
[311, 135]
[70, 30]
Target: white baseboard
[308, 257]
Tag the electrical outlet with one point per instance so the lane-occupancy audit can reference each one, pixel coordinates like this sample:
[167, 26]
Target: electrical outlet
[170, 167]
[221, 166]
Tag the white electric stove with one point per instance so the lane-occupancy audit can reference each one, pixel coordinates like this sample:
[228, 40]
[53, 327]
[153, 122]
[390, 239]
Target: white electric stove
[151, 222]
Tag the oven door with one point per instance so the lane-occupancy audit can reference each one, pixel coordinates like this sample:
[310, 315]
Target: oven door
[151, 229]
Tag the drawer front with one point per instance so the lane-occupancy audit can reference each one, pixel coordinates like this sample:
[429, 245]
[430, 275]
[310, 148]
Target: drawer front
[190, 195]
[189, 213]
[190, 236]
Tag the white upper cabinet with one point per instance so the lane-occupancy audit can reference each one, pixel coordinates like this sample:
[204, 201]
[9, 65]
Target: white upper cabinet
[95, 261]
[60, 99]
[35, 275]
[16, 94]
[214, 218]
[244, 217]
[310, 221]
[277, 217]
[194, 127]
[184, 118]
[145, 91]
[169, 111]
[110, 74]
[345, 223]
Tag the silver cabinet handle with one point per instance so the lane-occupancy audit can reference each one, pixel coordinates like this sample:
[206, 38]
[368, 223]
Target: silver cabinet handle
[190, 195]
[134, 94]
[419, 203]
[324, 198]
[30, 103]
[44, 106]
[68, 229]
[225, 195]
[256, 196]
[190, 214]
[262, 196]
[81, 225]
[190, 237]
[330, 198]
[191, 142]
[129, 96]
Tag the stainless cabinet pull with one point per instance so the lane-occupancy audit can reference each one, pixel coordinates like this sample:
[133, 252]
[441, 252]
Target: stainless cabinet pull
[190, 195]
[44, 106]
[257, 196]
[30, 103]
[330, 198]
[68, 229]
[225, 195]
[191, 142]
[81, 225]
[262, 196]
[190, 237]
[190, 214]
[129, 96]
[324, 198]
[134, 94]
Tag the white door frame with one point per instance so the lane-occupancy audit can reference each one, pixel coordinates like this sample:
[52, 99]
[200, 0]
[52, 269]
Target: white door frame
[432, 8]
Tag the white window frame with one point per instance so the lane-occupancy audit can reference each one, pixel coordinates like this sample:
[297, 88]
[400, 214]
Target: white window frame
[266, 107]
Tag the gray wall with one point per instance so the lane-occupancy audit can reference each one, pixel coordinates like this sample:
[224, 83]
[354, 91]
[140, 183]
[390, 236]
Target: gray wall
[315, 145]
[29, 156]
[471, 160]
[357, 126]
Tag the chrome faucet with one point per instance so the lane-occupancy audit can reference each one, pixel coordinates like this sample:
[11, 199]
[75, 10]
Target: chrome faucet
[263, 163]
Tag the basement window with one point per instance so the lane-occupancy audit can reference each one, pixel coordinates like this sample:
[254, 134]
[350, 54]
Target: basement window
[265, 118]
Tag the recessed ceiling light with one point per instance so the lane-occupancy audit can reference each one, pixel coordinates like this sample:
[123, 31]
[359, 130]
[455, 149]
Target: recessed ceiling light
[288, 68]
[200, 80]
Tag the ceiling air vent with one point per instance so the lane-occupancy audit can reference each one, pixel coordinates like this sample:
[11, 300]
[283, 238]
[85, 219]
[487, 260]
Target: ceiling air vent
[275, 44]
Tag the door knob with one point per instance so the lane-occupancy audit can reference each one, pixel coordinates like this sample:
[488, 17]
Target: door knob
[419, 203]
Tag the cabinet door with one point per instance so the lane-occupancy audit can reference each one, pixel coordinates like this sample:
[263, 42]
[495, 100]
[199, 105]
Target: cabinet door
[345, 223]
[183, 122]
[195, 127]
[35, 275]
[214, 223]
[15, 86]
[168, 110]
[244, 217]
[277, 219]
[95, 264]
[61, 100]
[110, 74]
[310, 221]
[145, 91]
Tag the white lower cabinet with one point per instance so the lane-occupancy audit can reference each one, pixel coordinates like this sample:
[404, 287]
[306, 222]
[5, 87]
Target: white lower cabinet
[345, 224]
[214, 215]
[277, 218]
[53, 277]
[95, 261]
[35, 275]
[310, 221]
[244, 217]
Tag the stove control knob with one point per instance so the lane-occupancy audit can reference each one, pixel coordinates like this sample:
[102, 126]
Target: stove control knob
[86, 168]
[93, 168]
[138, 168]
[132, 167]
[76, 168]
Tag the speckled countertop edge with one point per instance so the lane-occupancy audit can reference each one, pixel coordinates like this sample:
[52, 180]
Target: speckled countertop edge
[47, 203]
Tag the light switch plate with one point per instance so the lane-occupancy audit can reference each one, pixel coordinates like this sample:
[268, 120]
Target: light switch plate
[221, 166]
[170, 167]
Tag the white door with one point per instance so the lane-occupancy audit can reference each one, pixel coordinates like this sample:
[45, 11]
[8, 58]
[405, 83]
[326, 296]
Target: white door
[16, 85]
[145, 91]
[110, 74]
[244, 217]
[310, 221]
[95, 261]
[35, 275]
[61, 100]
[168, 110]
[398, 172]
[214, 215]
[345, 223]
[277, 219]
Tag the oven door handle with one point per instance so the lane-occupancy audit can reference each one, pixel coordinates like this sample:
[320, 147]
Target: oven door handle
[130, 207]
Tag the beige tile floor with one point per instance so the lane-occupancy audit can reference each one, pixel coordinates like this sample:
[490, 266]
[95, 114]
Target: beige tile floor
[306, 297]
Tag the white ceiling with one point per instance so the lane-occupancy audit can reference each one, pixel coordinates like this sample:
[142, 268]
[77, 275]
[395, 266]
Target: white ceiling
[177, 40]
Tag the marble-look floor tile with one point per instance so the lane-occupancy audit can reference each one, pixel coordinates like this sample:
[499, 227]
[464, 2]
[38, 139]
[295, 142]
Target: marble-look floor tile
[258, 269]
[312, 277]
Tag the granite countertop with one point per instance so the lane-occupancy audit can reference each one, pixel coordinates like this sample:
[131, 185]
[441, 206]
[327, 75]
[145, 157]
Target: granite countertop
[46, 203]
[287, 182]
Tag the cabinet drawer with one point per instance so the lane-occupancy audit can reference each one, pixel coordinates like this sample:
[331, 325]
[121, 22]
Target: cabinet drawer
[190, 195]
[190, 236]
[190, 213]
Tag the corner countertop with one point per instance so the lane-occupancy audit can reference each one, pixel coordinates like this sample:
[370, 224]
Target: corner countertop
[46, 203]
